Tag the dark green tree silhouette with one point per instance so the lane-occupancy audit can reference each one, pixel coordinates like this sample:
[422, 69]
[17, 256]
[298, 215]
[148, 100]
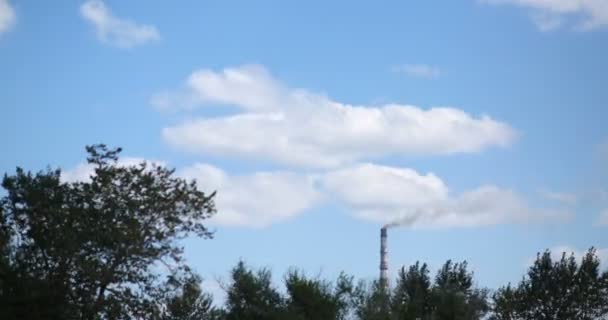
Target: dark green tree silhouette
[372, 301]
[315, 299]
[251, 295]
[98, 249]
[412, 297]
[507, 302]
[189, 302]
[560, 289]
[454, 294]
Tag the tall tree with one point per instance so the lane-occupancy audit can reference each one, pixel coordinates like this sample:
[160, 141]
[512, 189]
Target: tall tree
[560, 289]
[506, 304]
[372, 301]
[412, 295]
[591, 288]
[95, 249]
[189, 302]
[251, 295]
[454, 294]
[315, 299]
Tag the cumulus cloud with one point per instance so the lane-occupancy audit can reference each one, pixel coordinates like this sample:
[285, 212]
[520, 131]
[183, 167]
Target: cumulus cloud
[7, 16]
[551, 14]
[375, 193]
[116, 31]
[603, 218]
[84, 171]
[402, 196]
[298, 127]
[255, 200]
[417, 70]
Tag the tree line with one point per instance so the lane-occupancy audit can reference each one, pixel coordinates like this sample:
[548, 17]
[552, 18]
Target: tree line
[109, 248]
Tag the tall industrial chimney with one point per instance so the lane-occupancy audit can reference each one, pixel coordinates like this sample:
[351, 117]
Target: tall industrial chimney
[383, 259]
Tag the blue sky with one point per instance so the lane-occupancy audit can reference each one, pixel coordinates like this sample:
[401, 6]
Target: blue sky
[481, 125]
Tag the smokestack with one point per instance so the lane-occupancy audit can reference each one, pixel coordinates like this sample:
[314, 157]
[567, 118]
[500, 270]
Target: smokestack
[383, 259]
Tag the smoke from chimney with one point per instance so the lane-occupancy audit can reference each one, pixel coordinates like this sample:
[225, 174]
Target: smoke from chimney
[415, 216]
[383, 258]
[406, 221]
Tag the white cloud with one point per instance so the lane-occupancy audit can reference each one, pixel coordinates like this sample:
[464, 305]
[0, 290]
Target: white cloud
[387, 194]
[566, 198]
[83, 171]
[418, 70]
[550, 14]
[116, 31]
[369, 185]
[603, 218]
[546, 21]
[255, 200]
[374, 193]
[7, 16]
[297, 127]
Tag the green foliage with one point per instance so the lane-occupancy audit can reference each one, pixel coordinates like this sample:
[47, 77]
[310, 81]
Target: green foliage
[314, 299]
[412, 297]
[251, 295]
[190, 303]
[506, 303]
[89, 250]
[455, 297]
[415, 296]
[108, 248]
[372, 301]
[556, 290]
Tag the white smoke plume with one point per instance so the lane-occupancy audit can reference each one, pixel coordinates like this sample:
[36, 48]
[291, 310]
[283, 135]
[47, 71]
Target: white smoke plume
[409, 220]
